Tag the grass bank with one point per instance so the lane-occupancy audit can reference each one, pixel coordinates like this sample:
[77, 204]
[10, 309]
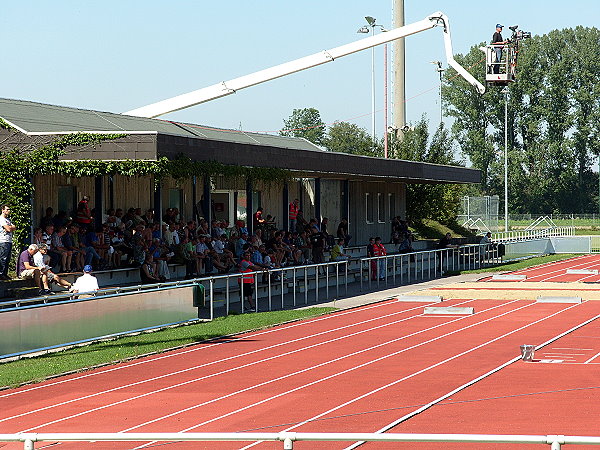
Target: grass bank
[38, 368]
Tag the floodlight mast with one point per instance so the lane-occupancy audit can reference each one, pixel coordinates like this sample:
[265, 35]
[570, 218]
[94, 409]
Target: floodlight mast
[224, 88]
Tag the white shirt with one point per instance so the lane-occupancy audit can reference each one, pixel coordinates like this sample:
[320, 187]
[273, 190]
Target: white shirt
[38, 261]
[5, 236]
[85, 283]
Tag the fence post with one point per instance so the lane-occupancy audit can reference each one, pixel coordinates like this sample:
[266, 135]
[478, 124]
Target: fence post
[28, 444]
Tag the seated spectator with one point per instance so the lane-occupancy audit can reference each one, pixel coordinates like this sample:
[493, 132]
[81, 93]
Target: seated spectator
[58, 246]
[404, 244]
[148, 272]
[337, 252]
[303, 244]
[446, 242]
[149, 216]
[225, 255]
[26, 269]
[38, 259]
[71, 242]
[55, 257]
[239, 245]
[85, 239]
[87, 283]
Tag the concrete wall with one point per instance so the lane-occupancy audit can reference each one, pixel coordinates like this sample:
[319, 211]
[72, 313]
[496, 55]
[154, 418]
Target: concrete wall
[360, 228]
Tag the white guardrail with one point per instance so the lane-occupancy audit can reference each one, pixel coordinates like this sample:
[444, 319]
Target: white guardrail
[288, 438]
[523, 235]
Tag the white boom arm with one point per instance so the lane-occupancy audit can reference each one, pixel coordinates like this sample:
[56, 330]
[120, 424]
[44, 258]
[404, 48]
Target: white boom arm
[229, 87]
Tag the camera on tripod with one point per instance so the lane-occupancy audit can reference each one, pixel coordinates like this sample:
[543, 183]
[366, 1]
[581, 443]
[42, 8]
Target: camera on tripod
[519, 34]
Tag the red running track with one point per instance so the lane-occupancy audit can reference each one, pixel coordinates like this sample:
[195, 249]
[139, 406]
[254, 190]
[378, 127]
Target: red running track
[356, 370]
[557, 271]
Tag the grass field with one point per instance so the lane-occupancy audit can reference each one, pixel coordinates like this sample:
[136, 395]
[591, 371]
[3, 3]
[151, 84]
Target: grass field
[32, 369]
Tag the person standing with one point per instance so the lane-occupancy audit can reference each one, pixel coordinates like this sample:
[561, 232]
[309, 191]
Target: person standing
[246, 282]
[293, 214]
[379, 250]
[6, 236]
[498, 41]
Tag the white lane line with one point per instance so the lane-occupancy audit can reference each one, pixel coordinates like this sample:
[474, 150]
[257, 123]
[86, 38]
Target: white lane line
[336, 374]
[174, 353]
[418, 373]
[559, 272]
[475, 380]
[188, 369]
[195, 380]
[565, 263]
[569, 348]
[592, 358]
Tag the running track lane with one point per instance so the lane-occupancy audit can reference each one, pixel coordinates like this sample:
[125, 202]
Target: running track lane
[556, 271]
[372, 376]
[524, 398]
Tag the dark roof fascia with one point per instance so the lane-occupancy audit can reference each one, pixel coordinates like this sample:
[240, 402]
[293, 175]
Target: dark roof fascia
[314, 162]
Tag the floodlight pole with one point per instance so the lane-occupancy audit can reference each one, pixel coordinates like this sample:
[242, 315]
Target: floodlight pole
[505, 91]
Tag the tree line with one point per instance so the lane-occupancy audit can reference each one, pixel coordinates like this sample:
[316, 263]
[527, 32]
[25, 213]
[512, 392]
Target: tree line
[553, 131]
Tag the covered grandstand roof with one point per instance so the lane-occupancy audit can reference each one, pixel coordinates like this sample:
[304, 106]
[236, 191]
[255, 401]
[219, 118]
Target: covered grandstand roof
[153, 138]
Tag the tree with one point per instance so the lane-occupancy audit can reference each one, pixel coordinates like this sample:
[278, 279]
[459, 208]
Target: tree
[553, 123]
[305, 123]
[429, 201]
[347, 137]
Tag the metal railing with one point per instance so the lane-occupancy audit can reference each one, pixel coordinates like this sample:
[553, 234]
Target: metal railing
[523, 235]
[426, 265]
[289, 438]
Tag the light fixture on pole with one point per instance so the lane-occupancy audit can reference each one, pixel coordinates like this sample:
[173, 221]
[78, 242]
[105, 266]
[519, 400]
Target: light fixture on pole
[440, 71]
[505, 92]
[370, 27]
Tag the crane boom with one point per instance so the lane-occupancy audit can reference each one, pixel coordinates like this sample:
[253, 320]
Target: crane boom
[229, 87]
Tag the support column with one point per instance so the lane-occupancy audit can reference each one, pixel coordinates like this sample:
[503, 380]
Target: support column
[346, 199]
[194, 200]
[207, 203]
[98, 200]
[286, 202]
[249, 206]
[318, 200]
[158, 211]
[31, 213]
[111, 191]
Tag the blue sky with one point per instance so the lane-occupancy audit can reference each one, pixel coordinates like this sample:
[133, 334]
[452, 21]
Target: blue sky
[116, 55]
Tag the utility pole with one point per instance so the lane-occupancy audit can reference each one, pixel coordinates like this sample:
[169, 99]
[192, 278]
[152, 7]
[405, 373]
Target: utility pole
[399, 94]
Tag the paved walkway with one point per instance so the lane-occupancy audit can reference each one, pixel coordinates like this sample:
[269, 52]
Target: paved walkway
[357, 298]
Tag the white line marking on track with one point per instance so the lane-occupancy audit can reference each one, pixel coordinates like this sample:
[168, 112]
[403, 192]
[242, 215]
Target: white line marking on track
[592, 358]
[176, 352]
[213, 374]
[454, 391]
[381, 358]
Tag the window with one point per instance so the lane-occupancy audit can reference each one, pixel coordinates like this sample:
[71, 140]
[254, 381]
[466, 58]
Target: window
[380, 208]
[392, 205]
[369, 208]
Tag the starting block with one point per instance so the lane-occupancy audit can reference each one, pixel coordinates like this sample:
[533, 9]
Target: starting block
[582, 271]
[509, 277]
[420, 298]
[449, 310]
[557, 299]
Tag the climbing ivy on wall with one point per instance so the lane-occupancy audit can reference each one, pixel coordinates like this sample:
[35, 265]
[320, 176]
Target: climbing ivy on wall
[17, 167]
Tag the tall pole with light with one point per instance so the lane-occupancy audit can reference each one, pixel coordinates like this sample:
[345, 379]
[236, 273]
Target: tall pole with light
[370, 28]
[505, 92]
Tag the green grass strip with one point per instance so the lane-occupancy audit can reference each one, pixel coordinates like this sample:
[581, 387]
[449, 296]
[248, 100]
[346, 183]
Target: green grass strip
[516, 265]
[38, 368]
